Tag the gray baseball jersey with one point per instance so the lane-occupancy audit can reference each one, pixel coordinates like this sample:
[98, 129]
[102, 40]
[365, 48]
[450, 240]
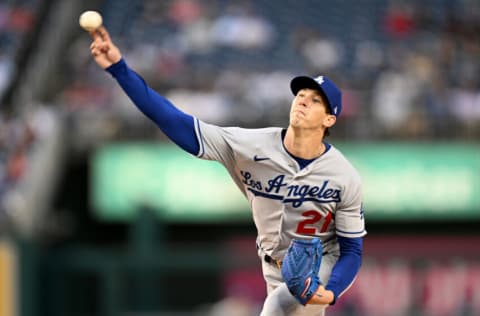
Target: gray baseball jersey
[322, 199]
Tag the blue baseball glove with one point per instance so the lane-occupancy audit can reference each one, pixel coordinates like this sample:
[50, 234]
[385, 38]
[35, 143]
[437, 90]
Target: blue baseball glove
[300, 268]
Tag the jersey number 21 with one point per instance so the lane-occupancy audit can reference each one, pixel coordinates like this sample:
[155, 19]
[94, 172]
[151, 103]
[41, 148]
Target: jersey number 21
[309, 226]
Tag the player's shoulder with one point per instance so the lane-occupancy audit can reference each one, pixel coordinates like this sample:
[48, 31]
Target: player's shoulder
[258, 131]
[237, 132]
[259, 134]
[343, 164]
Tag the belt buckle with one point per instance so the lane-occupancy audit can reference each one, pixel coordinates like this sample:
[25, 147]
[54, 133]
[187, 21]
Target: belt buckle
[279, 264]
[269, 259]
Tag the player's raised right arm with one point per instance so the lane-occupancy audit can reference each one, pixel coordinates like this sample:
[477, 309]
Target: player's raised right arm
[177, 125]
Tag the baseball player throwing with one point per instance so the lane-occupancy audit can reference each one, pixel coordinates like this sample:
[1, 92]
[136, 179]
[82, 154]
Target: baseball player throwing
[305, 196]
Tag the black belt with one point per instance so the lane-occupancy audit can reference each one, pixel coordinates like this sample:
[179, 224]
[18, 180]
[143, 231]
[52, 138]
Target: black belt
[269, 259]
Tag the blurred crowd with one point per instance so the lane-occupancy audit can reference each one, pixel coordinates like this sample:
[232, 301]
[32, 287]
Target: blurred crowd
[16, 20]
[409, 70]
[19, 128]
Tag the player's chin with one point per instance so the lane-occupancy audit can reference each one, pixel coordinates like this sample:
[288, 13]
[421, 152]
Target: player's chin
[295, 122]
[296, 119]
[300, 122]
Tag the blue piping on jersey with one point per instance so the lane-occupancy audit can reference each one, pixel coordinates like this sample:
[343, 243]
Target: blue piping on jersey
[351, 233]
[200, 138]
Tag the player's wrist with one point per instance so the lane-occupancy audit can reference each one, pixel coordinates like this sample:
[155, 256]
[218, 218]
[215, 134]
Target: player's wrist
[117, 67]
[322, 297]
[333, 298]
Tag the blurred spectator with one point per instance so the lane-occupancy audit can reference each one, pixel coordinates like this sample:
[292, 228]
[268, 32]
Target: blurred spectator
[184, 12]
[16, 20]
[399, 19]
[211, 106]
[465, 106]
[394, 94]
[322, 54]
[16, 140]
[436, 98]
[240, 27]
[369, 55]
[269, 102]
[6, 72]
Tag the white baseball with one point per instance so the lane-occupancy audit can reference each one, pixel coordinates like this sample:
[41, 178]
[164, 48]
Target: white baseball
[90, 20]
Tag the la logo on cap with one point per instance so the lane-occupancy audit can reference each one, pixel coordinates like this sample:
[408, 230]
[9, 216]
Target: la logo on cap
[319, 79]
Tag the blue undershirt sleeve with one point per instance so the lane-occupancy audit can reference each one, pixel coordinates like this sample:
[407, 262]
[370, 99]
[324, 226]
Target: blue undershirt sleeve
[347, 266]
[177, 125]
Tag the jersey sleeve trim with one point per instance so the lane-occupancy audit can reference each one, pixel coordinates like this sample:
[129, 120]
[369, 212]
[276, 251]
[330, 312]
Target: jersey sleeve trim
[198, 132]
[351, 234]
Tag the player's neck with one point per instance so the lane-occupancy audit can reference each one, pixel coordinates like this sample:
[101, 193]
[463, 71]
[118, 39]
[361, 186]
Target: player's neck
[303, 143]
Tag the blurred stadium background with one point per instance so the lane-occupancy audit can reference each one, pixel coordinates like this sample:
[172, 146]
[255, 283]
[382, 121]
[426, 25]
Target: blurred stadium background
[99, 215]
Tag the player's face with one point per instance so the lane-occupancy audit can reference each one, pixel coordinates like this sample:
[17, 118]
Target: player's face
[309, 111]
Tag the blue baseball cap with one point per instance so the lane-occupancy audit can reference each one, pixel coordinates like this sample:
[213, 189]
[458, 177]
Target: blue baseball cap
[326, 86]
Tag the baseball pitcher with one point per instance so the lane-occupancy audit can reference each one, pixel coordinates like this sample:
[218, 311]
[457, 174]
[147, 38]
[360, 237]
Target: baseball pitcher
[305, 196]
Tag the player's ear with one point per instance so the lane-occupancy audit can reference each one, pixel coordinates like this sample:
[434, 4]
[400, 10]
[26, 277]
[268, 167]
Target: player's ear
[329, 120]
